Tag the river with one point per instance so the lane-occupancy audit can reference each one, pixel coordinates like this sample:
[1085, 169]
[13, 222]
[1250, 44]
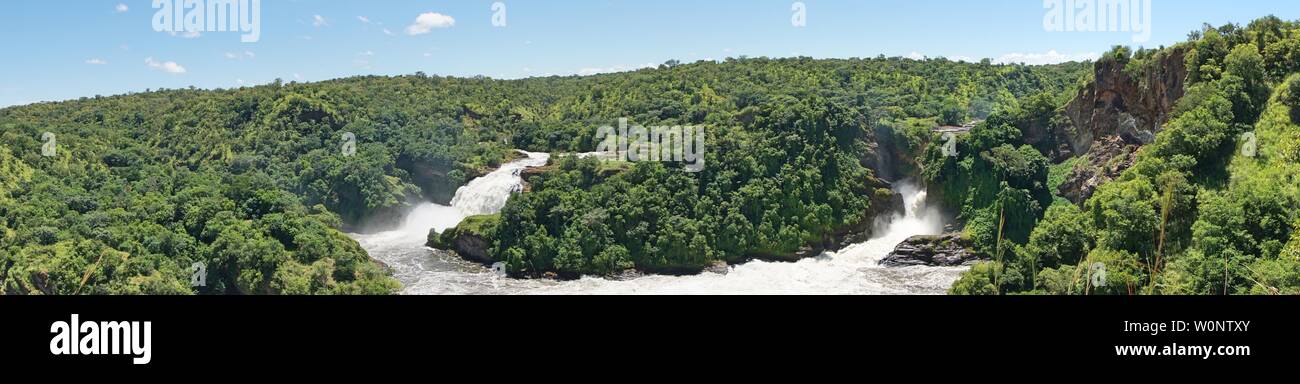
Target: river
[852, 270]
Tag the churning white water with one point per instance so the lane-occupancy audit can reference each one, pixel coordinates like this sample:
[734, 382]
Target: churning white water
[488, 194]
[853, 270]
[481, 196]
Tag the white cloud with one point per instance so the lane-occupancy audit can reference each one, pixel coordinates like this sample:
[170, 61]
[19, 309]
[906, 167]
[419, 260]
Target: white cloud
[120, 8]
[426, 22]
[166, 66]
[915, 56]
[613, 69]
[364, 19]
[319, 21]
[367, 53]
[1050, 57]
[96, 62]
[388, 32]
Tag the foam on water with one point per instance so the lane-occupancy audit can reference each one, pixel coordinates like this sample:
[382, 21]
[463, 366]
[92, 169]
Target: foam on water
[853, 270]
[488, 194]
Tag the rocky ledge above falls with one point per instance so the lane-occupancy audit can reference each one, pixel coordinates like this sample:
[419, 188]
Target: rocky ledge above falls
[948, 250]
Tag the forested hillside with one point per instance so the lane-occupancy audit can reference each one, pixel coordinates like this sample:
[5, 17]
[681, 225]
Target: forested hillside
[1207, 206]
[794, 154]
[126, 193]
[1170, 171]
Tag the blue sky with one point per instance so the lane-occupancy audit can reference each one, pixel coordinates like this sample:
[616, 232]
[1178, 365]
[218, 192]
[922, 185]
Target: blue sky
[57, 50]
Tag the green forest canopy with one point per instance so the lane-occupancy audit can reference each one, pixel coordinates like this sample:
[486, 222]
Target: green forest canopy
[1209, 208]
[254, 182]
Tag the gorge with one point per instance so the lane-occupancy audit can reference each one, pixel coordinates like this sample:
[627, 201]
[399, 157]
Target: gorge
[852, 270]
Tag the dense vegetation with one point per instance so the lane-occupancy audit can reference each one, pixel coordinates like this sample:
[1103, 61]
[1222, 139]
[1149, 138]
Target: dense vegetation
[791, 146]
[253, 184]
[125, 194]
[257, 183]
[1209, 208]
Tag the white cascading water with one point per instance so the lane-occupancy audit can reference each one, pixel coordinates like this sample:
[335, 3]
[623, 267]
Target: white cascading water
[482, 196]
[488, 194]
[853, 270]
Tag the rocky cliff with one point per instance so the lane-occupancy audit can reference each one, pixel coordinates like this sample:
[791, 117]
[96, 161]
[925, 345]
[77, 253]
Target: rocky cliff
[1122, 109]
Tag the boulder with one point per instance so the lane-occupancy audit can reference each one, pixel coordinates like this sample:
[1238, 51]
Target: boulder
[468, 239]
[1107, 160]
[948, 250]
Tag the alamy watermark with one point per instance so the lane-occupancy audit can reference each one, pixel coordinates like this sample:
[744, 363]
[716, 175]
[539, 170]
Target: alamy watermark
[49, 144]
[349, 147]
[660, 143]
[1097, 275]
[193, 16]
[949, 147]
[198, 274]
[499, 15]
[799, 16]
[102, 338]
[1099, 16]
[1249, 144]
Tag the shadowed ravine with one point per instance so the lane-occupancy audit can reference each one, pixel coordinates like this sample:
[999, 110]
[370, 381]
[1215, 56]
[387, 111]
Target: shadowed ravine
[852, 270]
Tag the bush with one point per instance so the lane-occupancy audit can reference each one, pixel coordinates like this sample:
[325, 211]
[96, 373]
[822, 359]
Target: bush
[1293, 98]
[977, 281]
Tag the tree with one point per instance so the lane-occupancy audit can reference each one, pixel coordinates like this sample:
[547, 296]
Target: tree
[1063, 237]
[978, 281]
[1246, 66]
[1293, 98]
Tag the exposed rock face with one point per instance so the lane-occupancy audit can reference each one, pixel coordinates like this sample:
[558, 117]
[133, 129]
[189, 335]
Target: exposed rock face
[885, 202]
[1107, 160]
[468, 245]
[947, 250]
[1117, 114]
[1118, 104]
[472, 247]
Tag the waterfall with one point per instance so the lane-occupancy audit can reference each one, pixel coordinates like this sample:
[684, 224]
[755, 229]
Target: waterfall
[853, 270]
[488, 194]
[482, 196]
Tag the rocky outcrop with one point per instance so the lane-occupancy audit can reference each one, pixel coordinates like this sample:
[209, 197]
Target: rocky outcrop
[467, 245]
[467, 239]
[1105, 162]
[1117, 113]
[949, 250]
[1131, 106]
